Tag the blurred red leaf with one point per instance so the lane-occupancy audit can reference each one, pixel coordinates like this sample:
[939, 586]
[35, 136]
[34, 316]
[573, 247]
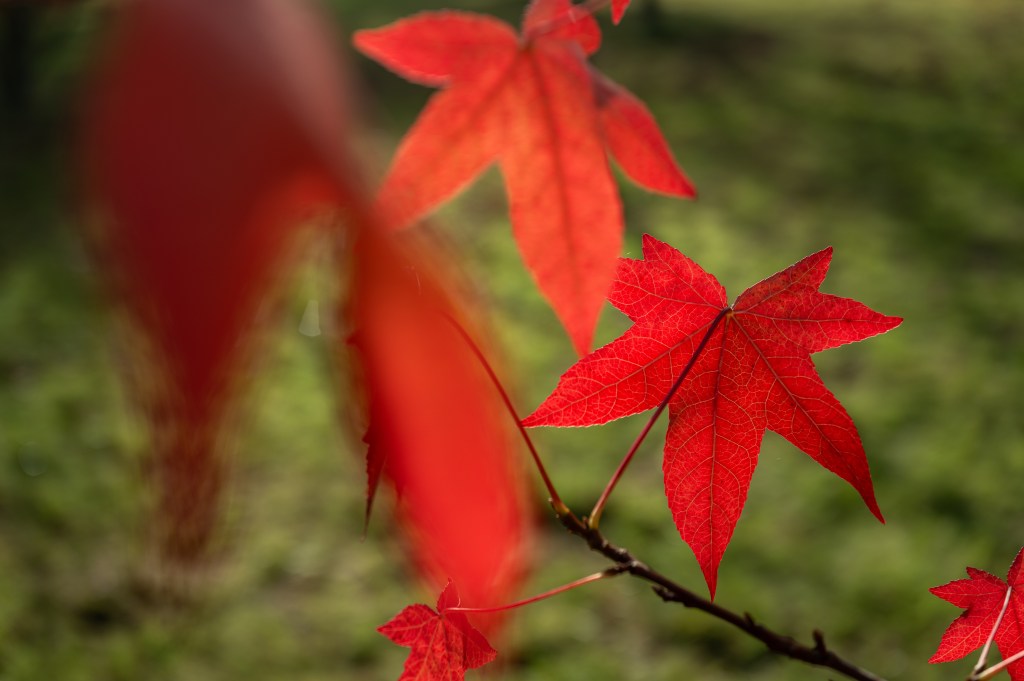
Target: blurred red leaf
[444, 644]
[438, 431]
[754, 373]
[983, 595]
[531, 103]
[618, 9]
[211, 129]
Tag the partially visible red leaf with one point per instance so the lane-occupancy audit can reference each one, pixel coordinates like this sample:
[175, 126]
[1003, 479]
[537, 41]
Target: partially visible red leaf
[211, 129]
[444, 644]
[755, 373]
[434, 48]
[437, 427]
[566, 212]
[532, 105]
[983, 595]
[618, 9]
[456, 136]
[635, 142]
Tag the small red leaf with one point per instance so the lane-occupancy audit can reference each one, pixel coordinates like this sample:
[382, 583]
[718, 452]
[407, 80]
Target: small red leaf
[533, 106]
[755, 373]
[983, 595]
[444, 644]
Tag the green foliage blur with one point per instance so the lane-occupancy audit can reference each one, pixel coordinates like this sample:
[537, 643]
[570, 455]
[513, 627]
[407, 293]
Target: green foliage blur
[890, 130]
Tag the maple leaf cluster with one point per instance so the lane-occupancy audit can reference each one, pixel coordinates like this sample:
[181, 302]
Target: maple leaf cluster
[197, 239]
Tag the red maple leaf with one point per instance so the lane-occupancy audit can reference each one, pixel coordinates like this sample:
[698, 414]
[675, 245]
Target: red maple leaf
[754, 372]
[532, 103]
[444, 644]
[984, 596]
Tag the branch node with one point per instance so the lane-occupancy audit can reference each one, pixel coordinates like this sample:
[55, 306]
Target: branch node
[819, 641]
[664, 594]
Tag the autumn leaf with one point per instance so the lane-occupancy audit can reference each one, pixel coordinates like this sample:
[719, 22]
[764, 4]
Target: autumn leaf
[444, 644]
[755, 372]
[618, 9]
[211, 129]
[438, 433]
[984, 595]
[530, 102]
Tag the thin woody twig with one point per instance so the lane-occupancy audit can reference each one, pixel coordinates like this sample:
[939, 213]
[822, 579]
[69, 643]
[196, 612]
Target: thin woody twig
[818, 655]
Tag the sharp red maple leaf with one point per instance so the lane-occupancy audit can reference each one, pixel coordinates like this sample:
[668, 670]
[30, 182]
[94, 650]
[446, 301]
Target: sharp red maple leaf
[755, 372]
[444, 644]
[983, 595]
[531, 103]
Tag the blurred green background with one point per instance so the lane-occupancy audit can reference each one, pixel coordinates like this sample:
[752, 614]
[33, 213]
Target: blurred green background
[890, 130]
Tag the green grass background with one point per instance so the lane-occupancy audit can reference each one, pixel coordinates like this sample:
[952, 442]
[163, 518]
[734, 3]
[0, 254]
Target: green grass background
[890, 130]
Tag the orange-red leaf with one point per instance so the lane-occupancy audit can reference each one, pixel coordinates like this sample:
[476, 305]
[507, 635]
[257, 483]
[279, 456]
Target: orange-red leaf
[211, 129]
[983, 596]
[566, 213]
[532, 105]
[444, 644]
[438, 432]
[755, 373]
[635, 142]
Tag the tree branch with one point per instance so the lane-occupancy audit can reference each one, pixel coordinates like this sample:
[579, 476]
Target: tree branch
[818, 655]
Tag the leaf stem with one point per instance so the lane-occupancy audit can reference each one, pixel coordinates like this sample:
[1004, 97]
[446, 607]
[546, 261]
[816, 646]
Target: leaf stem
[555, 500]
[996, 668]
[979, 672]
[988, 642]
[595, 515]
[597, 576]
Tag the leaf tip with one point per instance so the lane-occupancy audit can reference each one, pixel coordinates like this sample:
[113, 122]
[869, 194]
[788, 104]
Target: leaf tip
[710, 572]
[533, 420]
[365, 40]
[618, 10]
[712, 582]
[872, 503]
